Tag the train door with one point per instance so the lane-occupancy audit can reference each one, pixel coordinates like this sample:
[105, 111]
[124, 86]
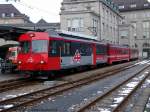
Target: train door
[66, 55]
[55, 54]
[94, 53]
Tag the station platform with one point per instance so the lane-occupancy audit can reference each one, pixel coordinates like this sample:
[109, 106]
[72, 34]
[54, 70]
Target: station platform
[9, 76]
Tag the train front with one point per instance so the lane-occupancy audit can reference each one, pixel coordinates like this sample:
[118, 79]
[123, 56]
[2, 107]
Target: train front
[33, 57]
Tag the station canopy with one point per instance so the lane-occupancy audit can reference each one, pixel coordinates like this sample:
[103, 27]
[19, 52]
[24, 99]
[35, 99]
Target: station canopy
[9, 33]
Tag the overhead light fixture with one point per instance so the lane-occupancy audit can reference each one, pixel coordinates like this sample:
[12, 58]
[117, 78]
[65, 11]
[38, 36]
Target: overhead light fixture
[148, 0]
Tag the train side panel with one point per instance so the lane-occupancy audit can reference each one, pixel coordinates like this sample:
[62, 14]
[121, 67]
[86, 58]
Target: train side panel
[75, 54]
[134, 54]
[117, 54]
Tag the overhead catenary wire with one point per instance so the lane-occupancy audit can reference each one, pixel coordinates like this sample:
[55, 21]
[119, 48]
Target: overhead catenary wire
[30, 7]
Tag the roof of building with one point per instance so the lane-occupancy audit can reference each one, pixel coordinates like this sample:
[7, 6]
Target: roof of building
[8, 9]
[42, 21]
[132, 5]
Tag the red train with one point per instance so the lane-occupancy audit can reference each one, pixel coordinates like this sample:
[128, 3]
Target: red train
[45, 52]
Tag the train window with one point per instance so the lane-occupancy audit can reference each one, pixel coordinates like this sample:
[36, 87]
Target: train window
[39, 46]
[54, 48]
[125, 51]
[66, 49]
[101, 49]
[74, 47]
[25, 46]
[85, 49]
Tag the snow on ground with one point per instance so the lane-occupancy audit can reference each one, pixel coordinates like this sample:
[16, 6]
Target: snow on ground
[118, 100]
[103, 110]
[142, 62]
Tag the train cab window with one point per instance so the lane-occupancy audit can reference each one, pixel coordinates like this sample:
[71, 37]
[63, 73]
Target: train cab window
[39, 46]
[25, 46]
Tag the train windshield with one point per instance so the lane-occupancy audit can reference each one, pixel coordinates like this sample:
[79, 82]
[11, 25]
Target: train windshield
[25, 47]
[39, 46]
[12, 53]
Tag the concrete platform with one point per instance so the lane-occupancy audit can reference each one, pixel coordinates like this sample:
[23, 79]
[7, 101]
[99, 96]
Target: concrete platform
[9, 76]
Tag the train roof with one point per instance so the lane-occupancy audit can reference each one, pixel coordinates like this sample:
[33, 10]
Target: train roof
[73, 36]
[119, 46]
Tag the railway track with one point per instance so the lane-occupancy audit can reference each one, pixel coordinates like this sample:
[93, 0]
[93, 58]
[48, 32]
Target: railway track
[15, 83]
[114, 98]
[28, 99]
[147, 106]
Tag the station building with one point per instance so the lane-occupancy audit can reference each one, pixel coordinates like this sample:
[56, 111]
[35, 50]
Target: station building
[137, 14]
[99, 18]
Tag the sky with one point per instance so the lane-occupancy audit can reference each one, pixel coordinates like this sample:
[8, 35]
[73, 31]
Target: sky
[36, 9]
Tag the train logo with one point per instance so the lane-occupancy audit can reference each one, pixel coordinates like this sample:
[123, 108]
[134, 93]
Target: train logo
[77, 57]
[30, 60]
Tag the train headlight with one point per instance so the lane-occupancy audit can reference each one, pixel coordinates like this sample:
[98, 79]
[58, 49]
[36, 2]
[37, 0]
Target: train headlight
[19, 62]
[42, 62]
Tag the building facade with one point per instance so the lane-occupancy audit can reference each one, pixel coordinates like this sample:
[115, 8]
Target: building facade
[126, 34]
[137, 13]
[99, 18]
[10, 15]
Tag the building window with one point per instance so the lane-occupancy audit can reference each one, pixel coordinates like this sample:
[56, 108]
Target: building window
[146, 34]
[123, 34]
[146, 25]
[95, 26]
[146, 45]
[134, 25]
[136, 45]
[145, 5]
[133, 15]
[69, 24]
[103, 27]
[12, 14]
[133, 5]
[134, 29]
[75, 24]
[3, 15]
[121, 7]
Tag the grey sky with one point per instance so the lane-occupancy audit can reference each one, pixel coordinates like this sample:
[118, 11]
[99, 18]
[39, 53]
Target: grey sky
[37, 9]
